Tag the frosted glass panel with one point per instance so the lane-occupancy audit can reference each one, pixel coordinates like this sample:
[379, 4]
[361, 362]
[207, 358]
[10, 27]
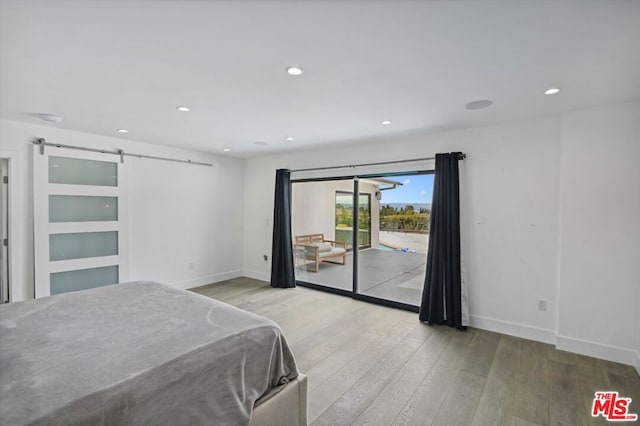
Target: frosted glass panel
[82, 172]
[82, 244]
[81, 208]
[82, 279]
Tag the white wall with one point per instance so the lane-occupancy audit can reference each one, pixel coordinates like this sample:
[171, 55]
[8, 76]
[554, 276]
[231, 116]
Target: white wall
[600, 231]
[313, 207]
[510, 216]
[179, 213]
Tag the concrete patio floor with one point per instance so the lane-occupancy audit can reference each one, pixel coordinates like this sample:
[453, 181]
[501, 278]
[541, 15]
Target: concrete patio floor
[417, 242]
[387, 274]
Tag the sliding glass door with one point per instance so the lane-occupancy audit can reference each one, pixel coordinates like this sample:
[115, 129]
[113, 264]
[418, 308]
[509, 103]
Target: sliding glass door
[322, 229]
[393, 269]
[385, 237]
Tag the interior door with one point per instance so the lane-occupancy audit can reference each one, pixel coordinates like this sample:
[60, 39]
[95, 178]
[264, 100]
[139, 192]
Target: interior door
[80, 220]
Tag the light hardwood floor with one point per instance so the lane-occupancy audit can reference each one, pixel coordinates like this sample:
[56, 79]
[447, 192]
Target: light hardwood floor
[373, 365]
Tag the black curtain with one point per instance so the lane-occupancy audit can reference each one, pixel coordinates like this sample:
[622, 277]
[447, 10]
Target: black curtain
[441, 301]
[281, 248]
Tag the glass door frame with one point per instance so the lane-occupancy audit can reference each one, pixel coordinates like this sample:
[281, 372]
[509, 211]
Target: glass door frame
[356, 230]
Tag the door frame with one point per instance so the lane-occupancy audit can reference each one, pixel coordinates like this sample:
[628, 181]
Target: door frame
[5, 285]
[16, 288]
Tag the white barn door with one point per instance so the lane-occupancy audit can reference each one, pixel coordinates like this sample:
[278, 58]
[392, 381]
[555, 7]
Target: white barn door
[80, 220]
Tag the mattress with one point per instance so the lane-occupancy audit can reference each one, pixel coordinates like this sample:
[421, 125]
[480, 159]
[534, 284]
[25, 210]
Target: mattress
[137, 353]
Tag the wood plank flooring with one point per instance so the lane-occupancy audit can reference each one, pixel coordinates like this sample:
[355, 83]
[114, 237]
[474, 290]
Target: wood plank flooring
[371, 365]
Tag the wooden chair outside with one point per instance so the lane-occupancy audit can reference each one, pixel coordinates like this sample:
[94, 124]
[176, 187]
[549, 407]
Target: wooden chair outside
[317, 249]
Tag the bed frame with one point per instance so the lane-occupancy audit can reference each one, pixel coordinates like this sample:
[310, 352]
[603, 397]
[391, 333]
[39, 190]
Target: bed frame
[287, 407]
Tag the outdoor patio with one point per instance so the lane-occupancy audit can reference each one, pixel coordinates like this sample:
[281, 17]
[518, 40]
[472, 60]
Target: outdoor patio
[384, 273]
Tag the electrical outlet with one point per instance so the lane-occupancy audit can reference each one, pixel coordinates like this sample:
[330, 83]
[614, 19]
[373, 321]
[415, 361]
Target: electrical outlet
[542, 305]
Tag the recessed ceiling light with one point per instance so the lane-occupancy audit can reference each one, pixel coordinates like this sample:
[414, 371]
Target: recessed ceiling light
[260, 143]
[294, 70]
[289, 138]
[122, 131]
[182, 108]
[226, 149]
[385, 122]
[551, 91]
[484, 103]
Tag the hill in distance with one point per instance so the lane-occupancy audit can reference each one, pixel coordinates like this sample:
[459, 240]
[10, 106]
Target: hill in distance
[416, 206]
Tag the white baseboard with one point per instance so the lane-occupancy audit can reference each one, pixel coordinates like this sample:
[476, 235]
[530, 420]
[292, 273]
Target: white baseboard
[598, 350]
[208, 279]
[256, 275]
[513, 329]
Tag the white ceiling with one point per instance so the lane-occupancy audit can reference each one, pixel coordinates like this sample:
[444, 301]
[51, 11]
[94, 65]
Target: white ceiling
[127, 64]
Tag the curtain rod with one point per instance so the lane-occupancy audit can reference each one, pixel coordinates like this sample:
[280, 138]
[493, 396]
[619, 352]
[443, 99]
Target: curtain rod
[462, 156]
[41, 142]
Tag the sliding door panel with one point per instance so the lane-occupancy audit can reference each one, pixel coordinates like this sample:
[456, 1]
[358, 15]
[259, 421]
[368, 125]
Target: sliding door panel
[80, 228]
[322, 224]
[393, 268]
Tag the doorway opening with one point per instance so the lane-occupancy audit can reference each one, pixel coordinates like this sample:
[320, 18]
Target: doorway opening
[386, 236]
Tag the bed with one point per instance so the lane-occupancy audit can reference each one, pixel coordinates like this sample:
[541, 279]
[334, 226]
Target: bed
[144, 353]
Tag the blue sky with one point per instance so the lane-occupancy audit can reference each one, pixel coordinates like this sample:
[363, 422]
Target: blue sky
[415, 189]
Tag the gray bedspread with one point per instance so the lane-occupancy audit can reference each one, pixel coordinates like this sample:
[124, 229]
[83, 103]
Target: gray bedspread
[136, 353]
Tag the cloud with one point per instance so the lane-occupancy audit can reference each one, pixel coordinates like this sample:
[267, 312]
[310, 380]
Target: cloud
[406, 182]
[423, 192]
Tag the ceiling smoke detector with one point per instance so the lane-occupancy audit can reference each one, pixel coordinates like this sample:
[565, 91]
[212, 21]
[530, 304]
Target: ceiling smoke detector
[51, 118]
[484, 103]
